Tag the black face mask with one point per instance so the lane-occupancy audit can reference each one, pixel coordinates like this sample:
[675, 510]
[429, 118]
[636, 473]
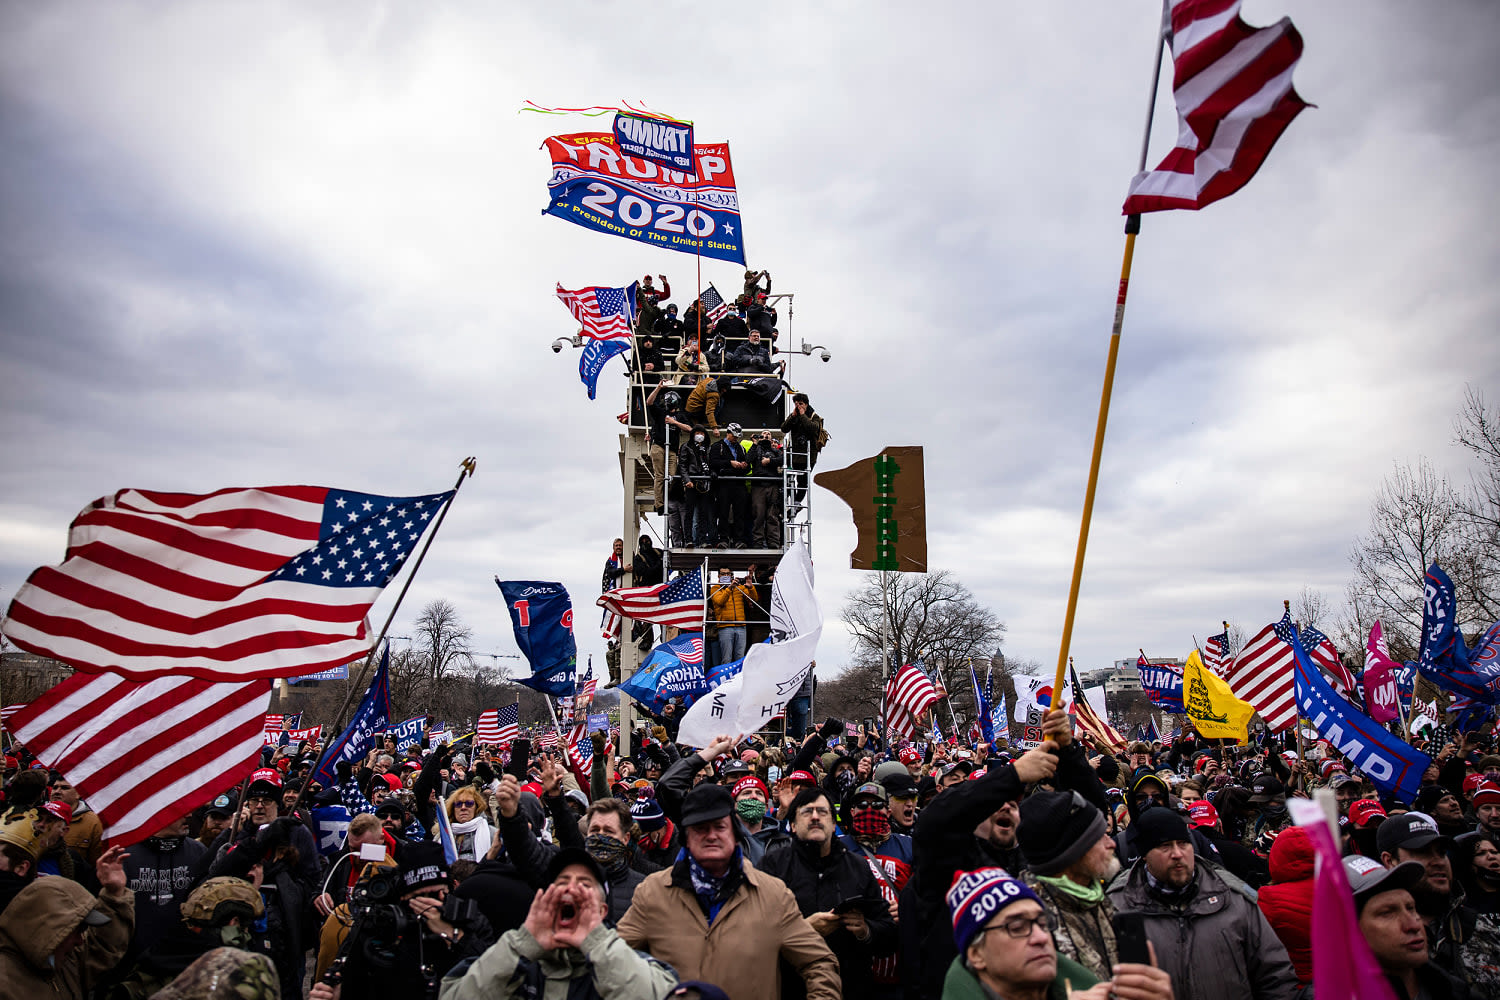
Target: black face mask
[613, 855]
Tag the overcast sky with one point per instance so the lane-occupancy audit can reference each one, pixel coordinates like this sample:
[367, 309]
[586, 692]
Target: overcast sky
[261, 243]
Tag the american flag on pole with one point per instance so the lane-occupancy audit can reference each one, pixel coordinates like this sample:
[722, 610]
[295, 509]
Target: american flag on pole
[1320, 650]
[714, 306]
[678, 603]
[146, 753]
[604, 313]
[1233, 88]
[241, 583]
[7, 712]
[1216, 653]
[1098, 730]
[908, 694]
[1264, 674]
[499, 725]
[547, 739]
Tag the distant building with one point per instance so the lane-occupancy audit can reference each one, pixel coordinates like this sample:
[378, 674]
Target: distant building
[26, 675]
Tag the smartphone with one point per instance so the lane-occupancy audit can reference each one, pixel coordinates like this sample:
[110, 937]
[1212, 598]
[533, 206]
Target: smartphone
[1130, 937]
[850, 905]
[520, 760]
[869, 723]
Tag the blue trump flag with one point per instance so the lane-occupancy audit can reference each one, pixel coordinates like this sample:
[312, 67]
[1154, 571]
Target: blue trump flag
[1162, 683]
[669, 143]
[986, 722]
[596, 353]
[1395, 766]
[408, 734]
[372, 716]
[1444, 659]
[673, 669]
[332, 822]
[542, 615]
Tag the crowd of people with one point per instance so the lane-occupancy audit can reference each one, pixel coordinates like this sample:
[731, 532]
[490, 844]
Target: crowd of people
[830, 865]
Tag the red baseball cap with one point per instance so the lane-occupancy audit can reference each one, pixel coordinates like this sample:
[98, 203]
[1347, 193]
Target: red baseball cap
[61, 810]
[1472, 782]
[265, 776]
[1203, 813]
[1362, 812]
[909, 755]
[799, 778]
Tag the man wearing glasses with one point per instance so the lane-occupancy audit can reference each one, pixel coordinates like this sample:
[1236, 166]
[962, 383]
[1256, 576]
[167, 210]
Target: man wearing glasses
[1004, 942]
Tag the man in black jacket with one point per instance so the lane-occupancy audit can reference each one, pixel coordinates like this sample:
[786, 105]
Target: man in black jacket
[957, 832]
[765, 492]
[836, 891]
[698, 489]
[731, 467]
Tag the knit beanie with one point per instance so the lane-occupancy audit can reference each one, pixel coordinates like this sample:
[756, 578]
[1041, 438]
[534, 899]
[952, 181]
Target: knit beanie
[976, 897]
[648, 814]
[1057, 828]
[1157, 826]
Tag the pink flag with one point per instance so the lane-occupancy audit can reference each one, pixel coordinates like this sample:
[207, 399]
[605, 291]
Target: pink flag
[1380, 679]
[1344, 968]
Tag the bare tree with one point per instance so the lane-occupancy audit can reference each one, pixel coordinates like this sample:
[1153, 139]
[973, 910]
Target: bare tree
[934, 618]
[441, 640]
[1477, 577]
[1416, 520]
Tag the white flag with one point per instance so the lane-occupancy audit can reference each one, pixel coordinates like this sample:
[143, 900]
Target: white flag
[1026, 689]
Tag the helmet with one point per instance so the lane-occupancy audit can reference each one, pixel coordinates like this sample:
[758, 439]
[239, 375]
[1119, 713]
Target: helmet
[21, 832]
[218, 899]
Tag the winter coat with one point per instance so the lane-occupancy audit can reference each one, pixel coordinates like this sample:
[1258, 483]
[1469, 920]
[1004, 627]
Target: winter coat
[750, 357]
[1085, 934]
[1214, 943]
[605, 966]
[503, 896]
[1287, 902]
[37, 921]
[962, 984]
[807, 434]
[756, 925]
[85, 833]
[822, 883]
[720, 454]
[161, 874]
[692, 464]
[765, 450]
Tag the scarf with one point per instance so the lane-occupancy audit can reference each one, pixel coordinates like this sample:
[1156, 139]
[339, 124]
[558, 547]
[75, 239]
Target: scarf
[1089, 895]
[1169, 895]
[472, 838]
[613, 855]
[713, 891]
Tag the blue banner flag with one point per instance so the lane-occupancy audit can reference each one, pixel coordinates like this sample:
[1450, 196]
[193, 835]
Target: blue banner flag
[542, 615]
[595, 354]
[358, 738]
[982, 708]
[1444, 659]
[594, 184]
[666, 142]
[333, 828]
[673, 669]
[599, 723]
[1395, 766]
[1162, 683]
[408, 734]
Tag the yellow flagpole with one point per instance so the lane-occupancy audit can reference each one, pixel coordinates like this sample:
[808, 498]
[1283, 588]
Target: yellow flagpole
[1132, 227]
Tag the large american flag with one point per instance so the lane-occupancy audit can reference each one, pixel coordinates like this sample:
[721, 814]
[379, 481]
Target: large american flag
[145, 753]
[1264, 674]
[499, 725]
[1233, 88]
[604, 313]
[264, 582]
[679, 603]
[908, 694]
[1216, 652]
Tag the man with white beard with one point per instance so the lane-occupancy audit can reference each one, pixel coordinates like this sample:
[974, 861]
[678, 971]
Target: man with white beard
[1070, 857]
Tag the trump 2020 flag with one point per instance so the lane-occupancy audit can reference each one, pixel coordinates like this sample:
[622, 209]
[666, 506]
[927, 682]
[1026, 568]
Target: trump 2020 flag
[673, 669]
[242, 583]
[541, 614]
[408, 733]
[1445, 659]
[372, 716]
[596, 353]
[1395, 766]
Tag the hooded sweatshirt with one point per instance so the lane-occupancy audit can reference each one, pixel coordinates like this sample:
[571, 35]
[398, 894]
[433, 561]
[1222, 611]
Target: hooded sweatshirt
[39, 919]
[1287, 901]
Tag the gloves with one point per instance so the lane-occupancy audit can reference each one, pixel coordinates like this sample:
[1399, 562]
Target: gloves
[484, 772]
[660, 732]
[831, 728]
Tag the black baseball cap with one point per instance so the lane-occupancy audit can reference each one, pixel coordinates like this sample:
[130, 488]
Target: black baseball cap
[900, 786]
[1265, 788]
[575, 856]
[706, 802]
[1412, 831]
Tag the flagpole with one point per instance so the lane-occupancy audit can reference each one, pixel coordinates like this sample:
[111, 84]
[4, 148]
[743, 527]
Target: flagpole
[1132, 227]
[466, 469]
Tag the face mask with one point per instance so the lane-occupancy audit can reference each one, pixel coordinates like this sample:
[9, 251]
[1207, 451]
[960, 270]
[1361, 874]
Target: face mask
[750, 809]
[872, 824]
[724, 579]
[235, 937]
[697, 439]
[613, 855]
[844, 780]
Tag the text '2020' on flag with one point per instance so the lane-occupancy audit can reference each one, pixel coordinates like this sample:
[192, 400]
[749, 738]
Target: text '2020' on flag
[595, 185]
[144, 753]
[1232, 85]
[264, 582]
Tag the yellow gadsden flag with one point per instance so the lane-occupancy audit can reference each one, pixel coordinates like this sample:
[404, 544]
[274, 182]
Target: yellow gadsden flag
[1215, 711]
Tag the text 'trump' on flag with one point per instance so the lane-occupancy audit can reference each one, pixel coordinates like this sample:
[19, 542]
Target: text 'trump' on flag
[260, 582]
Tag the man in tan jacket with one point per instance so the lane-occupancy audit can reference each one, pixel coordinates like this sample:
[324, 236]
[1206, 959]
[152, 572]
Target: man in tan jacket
[714, 918]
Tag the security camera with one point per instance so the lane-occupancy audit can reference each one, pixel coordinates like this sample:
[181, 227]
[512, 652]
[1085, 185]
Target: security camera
[557, 347]
[825, 356]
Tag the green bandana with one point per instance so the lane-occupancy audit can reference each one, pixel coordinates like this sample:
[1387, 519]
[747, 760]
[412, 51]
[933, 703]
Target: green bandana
[1088, 895]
